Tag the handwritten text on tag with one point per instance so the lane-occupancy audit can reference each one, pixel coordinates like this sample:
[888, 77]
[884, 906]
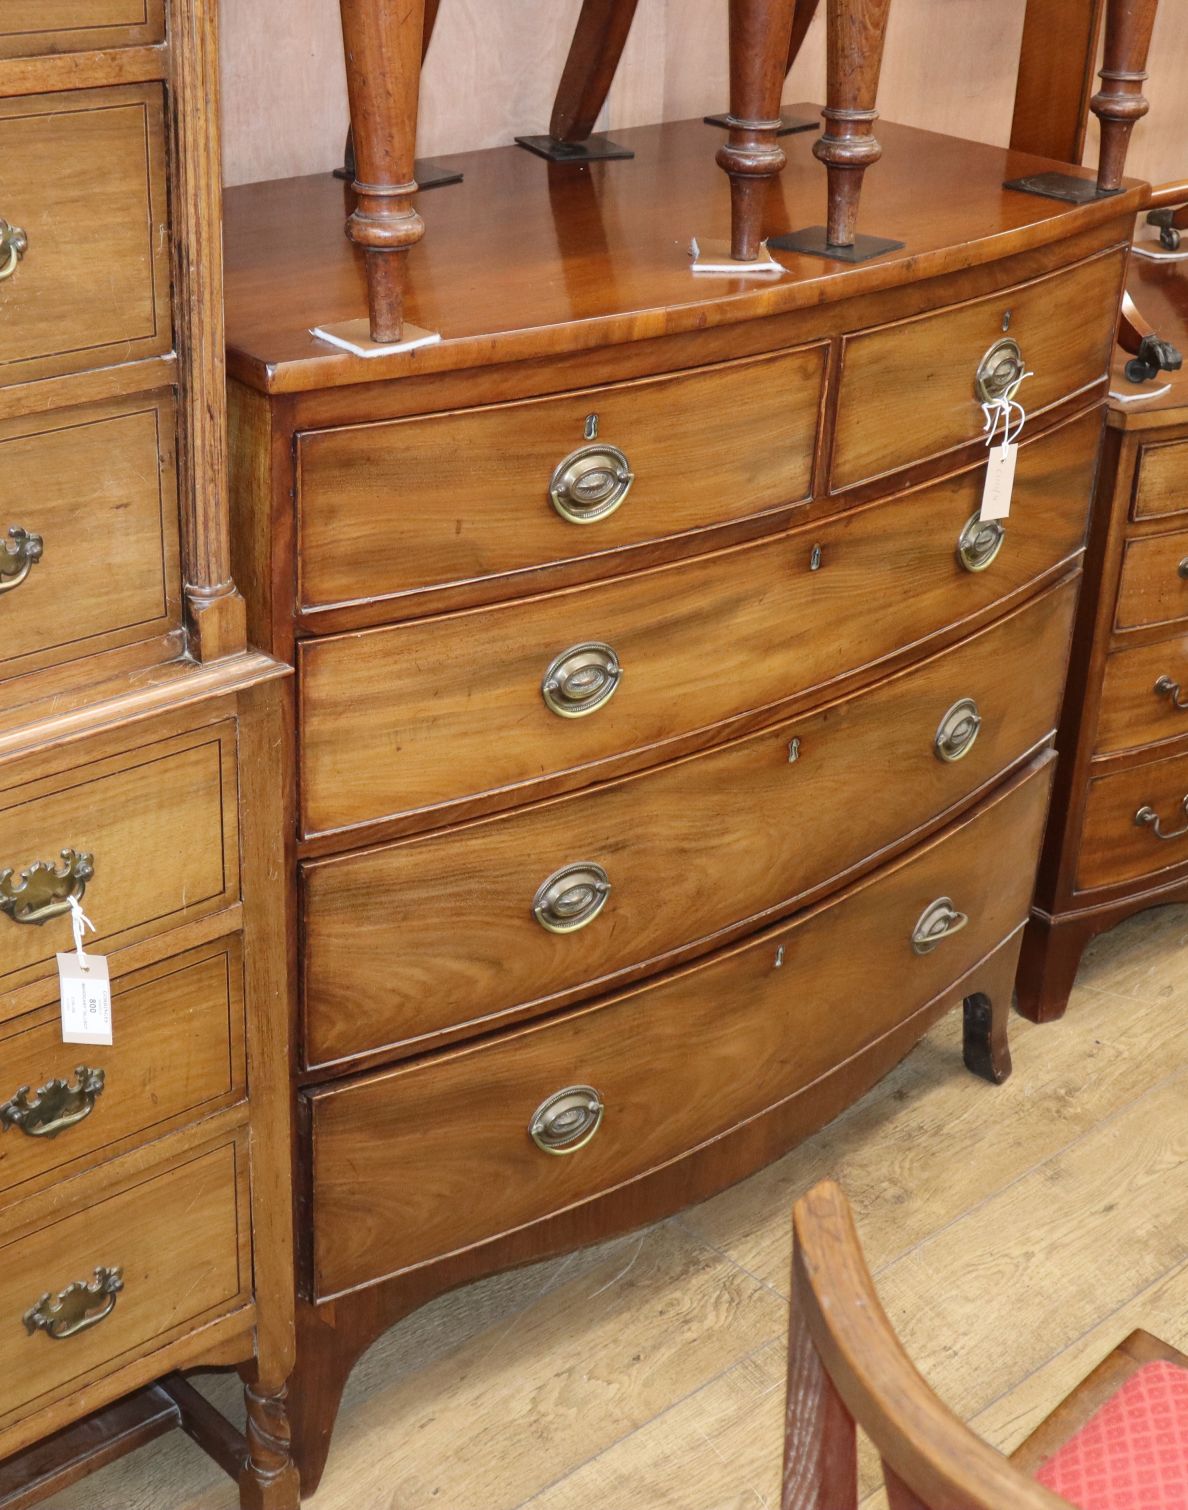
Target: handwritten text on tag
[1000, 482]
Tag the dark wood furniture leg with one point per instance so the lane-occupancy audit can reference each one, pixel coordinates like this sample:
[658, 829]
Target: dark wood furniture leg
[590, 67]
[802, 18]
[1054, 83]
[1120, 101]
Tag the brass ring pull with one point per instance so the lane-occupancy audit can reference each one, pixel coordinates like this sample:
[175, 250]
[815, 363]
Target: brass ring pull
[56, 1106]
[958, 730]
[1182, 570]
[590, 484]
[44, 890]
[1147, 817]
[979, 542]
[13, 245]
[939, 920]
[1165, 687]
[581, 679]
[566, 1120]
[18, 556]
[571, 898]
[77, 1308]
[998, 371]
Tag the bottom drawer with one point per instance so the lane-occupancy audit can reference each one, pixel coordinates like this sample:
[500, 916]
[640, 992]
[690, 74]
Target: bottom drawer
[174, 1237]
[437, 1155]
[1116, 846]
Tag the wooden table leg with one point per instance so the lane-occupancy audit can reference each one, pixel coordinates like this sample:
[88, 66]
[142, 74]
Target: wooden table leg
[802, 17]
[1120, 102]
[857, 31]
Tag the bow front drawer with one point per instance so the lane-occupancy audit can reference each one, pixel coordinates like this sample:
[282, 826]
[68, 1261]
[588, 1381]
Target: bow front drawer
[409, 719]
[916, 388]
[386, 509]
[456, 1149]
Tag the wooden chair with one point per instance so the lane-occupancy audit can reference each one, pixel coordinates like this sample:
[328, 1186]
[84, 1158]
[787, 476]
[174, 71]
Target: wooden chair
[846, 1368]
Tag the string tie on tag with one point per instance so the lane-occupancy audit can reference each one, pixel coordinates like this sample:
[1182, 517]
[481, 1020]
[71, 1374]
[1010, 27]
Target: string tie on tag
[1001, 410]
[79, 922]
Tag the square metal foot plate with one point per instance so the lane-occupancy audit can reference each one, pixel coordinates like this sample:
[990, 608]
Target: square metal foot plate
[1059, 186]
[811, 242]
[594, 149]
[789, 124]
[355, 336]
[712, 256]
[428, 174]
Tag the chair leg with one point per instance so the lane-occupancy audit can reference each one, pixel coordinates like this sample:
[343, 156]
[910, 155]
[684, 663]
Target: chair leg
[820, 1442]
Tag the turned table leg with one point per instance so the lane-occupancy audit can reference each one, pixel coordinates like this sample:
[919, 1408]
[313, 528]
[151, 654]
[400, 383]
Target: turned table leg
[269, 1478]
[1120, 102]
[802, 18]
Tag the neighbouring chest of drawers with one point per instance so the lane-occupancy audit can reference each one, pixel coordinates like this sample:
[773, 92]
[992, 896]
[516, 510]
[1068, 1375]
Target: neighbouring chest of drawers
[32, 27]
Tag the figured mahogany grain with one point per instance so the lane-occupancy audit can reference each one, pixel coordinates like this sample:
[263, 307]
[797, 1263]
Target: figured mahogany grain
[1152, 589]
[1133, 713]
[1113, 847]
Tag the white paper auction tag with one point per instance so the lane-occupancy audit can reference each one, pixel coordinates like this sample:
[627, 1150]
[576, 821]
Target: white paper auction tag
[86, 998]
[1000, 482]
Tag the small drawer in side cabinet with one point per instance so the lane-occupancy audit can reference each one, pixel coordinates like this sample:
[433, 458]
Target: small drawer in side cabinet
[915, 389]
[1144, 697]
[1136, 824]
[29, 28]
[146, 840]
[88, 531]
[454, 1149]
[83, 191]
[386, 509]
[1162, 485]
[102, 1285]
[1154, 585]
[178, 1051]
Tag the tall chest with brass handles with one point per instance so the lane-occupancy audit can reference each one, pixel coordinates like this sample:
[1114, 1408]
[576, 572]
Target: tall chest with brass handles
[1117, 841]
[674, 736]
[145, 1216]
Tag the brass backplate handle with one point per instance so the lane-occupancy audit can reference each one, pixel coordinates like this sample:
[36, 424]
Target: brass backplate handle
[18, 556]
[566, 1120]
[56, 1106]
[998, 371]
[979, 542]
[1147, 817]
[43, 890]
[958, 730]
[1182, 570]
[14, 243]
[581, 679]
[77, 1308]
[939, 920]
[1165, 687]
[571, 898]
[590, 484]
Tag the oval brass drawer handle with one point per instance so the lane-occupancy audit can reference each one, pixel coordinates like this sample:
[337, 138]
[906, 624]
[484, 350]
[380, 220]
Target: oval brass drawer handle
[567, 1120]
[1182, 570]
[979, 542]
[18, 556]
[571, 898]
[998, 371]
[1165, 687]
[581, 679]
[939, 920]
[13, 245]
[590, 484]
[1147, 817]
[958, 730]
[56, 1106]
[44, 890]
[77, 1308]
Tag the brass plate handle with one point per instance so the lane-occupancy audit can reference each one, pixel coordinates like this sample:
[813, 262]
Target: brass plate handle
[940, 920]
[77, 1308]
[1165, 687]
[14, 243]
[590, 484]
[979, 542]
[571, 898]
[56, 1106]
[958, 730]
[581, 679]
[44, 890]
[18, 556]
[567, 1120]
[1147, 817]
[998, 371]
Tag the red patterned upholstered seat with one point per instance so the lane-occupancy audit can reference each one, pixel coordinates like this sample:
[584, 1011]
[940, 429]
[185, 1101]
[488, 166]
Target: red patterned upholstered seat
[1132, 1454]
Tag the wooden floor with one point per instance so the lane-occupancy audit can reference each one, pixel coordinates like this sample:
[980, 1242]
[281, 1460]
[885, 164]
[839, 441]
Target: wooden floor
[1016, 1234]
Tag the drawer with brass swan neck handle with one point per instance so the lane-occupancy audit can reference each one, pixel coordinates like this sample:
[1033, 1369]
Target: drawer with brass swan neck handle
[1147, 817]
[77, 1308]
[57, 1106]
[43, 890]
[1165, 687]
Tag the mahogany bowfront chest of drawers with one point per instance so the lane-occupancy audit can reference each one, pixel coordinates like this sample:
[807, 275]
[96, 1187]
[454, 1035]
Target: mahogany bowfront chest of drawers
[674, 739]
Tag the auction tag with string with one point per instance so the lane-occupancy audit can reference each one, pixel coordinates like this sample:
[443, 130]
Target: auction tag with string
[85, 984]
[1000, 465]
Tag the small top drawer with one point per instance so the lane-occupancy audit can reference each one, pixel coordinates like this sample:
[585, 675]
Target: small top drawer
[1154, 585]
[32, 27]
[1162, 485]
[150, 840]
[385, 509]
[911, 390]
[82, 178]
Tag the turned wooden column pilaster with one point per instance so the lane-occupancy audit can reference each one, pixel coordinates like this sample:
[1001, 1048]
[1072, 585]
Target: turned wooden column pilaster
[857, 30]
[1120, 102]
[383, 41]
[760, 39]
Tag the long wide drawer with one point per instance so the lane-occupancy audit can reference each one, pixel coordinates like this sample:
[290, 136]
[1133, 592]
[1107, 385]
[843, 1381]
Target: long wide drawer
[387, 508]
[436, 1156]
[1154, 584]
[1136, 824]
[30, 27]
[511, 911]
[1144, 697]
[408, 719]
[83, 176]
[103, 1284]
[178, 1030]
